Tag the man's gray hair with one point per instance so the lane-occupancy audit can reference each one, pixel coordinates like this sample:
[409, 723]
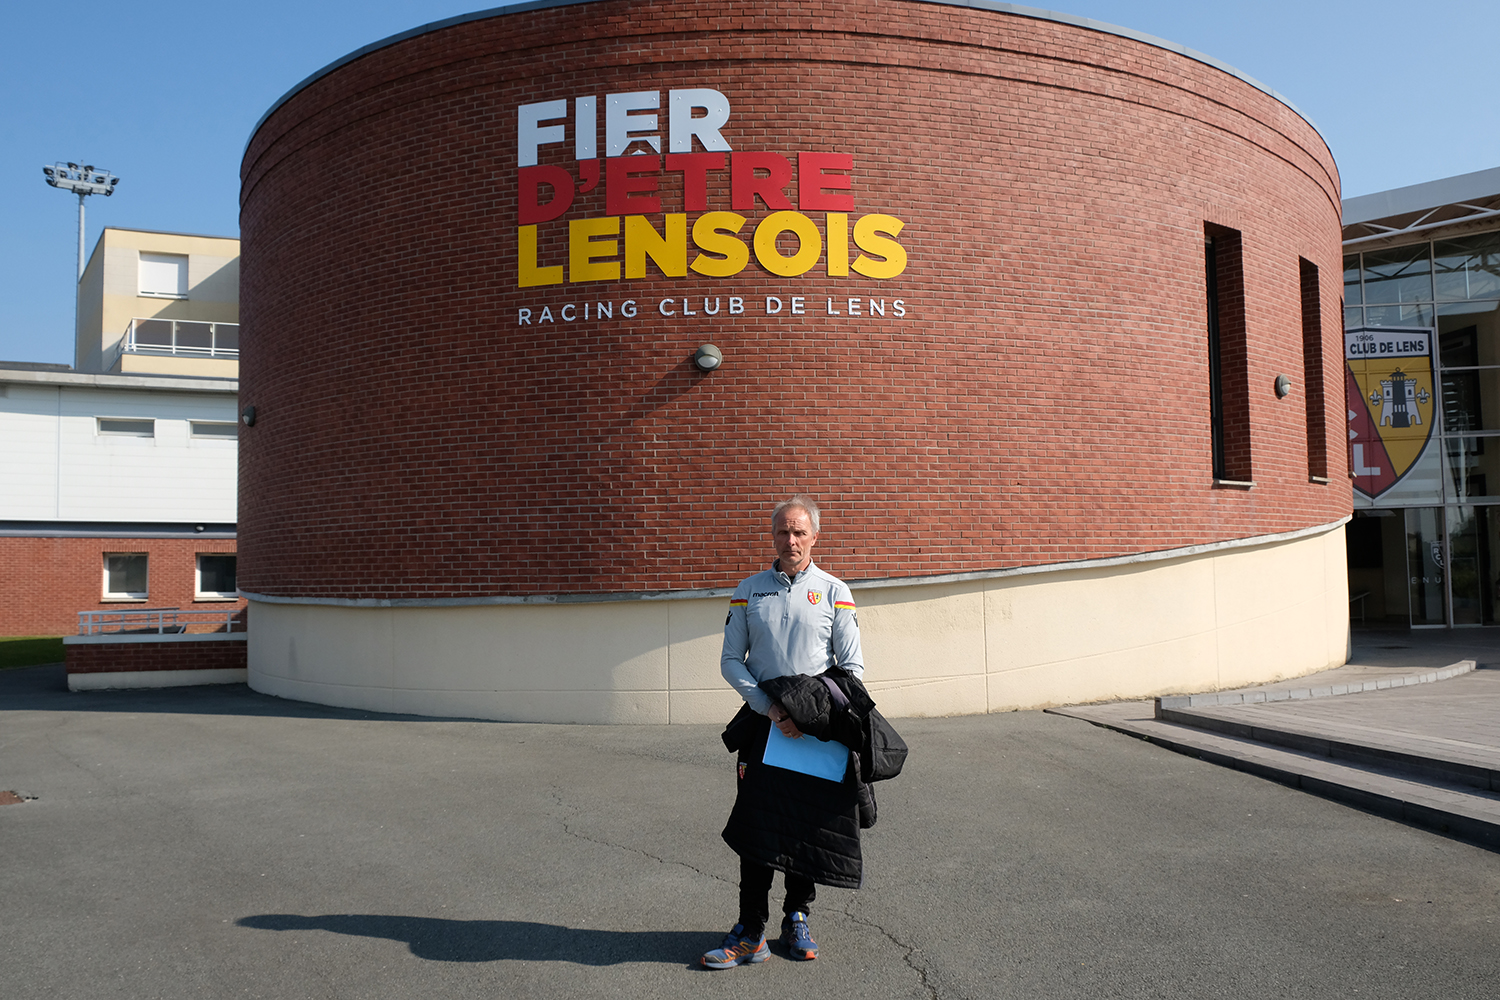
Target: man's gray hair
[795, 501]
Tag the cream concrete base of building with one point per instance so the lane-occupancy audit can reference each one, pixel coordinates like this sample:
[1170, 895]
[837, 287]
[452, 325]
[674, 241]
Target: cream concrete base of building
[122, 679]
[1210, 620]
[156, 364]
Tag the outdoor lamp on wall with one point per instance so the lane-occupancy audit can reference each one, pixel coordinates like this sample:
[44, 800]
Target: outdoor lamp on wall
[248, 416]
[1283, 387]
[708, 358]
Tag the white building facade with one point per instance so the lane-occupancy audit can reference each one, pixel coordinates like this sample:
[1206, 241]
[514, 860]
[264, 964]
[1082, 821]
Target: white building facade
[119, 479]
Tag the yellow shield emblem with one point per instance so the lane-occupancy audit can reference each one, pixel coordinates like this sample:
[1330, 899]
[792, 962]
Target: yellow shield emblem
[1391, 402]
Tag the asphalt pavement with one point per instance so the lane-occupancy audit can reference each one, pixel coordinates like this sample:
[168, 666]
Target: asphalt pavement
[214, 842]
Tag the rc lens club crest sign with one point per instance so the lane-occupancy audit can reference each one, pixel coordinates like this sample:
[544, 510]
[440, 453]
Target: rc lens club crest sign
[1391, 402]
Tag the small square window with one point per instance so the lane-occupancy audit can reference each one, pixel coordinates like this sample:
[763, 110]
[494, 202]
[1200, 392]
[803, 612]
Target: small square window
[215, 429]
[122, 427]
[125, 576]
[215, 580]
[164, 275]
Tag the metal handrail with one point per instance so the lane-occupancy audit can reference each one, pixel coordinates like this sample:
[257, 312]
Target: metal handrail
[161, 621]
[129, 345]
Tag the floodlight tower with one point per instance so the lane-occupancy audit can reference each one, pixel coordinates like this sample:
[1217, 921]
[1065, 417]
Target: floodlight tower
[82, 181]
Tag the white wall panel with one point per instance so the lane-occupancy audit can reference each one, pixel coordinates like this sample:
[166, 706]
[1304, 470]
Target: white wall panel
[169, 477]
[28, 452]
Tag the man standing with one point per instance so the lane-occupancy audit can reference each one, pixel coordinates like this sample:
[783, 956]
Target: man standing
[792, 619]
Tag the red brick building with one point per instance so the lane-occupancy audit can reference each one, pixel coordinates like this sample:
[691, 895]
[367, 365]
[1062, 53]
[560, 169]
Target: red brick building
[117, 493]
[1044, 312]
[47, 576]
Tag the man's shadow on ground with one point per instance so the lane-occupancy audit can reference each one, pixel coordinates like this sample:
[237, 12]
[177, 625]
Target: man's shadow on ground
[442, 940]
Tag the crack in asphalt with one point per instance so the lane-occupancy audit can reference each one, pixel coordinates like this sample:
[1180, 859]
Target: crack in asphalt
[567, 829]
[911, 950]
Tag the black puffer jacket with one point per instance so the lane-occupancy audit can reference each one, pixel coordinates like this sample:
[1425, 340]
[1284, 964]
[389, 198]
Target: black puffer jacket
[791, 822]
[795, 822]
[836, 706]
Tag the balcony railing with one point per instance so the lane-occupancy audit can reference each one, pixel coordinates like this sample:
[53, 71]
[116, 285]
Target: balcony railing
[194, 338]
[160, 621]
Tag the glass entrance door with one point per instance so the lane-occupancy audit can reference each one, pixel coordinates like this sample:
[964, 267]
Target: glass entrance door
[1431, 567]
[1470, 577]
[1426, 589]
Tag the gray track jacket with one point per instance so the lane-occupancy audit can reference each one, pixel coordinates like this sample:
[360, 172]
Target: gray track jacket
[778, 627]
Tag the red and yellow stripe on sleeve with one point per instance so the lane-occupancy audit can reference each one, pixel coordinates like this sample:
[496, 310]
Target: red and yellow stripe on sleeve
[849, 604]
[739, 602]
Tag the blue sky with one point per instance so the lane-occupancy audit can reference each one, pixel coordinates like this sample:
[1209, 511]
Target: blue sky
[165, 93]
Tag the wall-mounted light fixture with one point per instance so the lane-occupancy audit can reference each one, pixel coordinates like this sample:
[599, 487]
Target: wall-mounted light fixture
[708, 358]
[248, 416]
[1283, 387]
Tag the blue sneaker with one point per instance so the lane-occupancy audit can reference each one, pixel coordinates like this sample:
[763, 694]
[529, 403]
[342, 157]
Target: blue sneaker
[797, 938]
[737, 949]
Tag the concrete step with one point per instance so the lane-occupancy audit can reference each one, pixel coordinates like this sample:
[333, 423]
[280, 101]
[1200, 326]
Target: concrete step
[1435, 759]
[1458, 810]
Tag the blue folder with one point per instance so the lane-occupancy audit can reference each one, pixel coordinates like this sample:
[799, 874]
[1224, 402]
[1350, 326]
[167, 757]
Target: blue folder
[806, 754]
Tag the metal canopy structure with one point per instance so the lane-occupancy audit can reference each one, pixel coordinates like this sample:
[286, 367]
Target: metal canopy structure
[1420, 207]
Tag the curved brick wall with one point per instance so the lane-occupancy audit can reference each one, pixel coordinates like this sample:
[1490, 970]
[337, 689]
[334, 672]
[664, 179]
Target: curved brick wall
[1043, 399]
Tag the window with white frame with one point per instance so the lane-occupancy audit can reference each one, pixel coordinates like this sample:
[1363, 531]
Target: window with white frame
[126, 427]
[215, 577]
[226, 430]
[125, 576]
[163, 275]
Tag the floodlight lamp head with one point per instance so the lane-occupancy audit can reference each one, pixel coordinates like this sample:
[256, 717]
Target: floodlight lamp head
[85, 181]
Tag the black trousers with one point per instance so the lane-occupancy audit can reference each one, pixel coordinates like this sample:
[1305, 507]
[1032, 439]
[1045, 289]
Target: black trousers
[755, 895]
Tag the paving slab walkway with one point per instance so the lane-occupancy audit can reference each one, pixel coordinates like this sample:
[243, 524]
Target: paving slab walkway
[1396, 731]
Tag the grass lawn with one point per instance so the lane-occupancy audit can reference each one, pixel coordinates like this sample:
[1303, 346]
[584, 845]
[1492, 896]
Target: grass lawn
[29, 650]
